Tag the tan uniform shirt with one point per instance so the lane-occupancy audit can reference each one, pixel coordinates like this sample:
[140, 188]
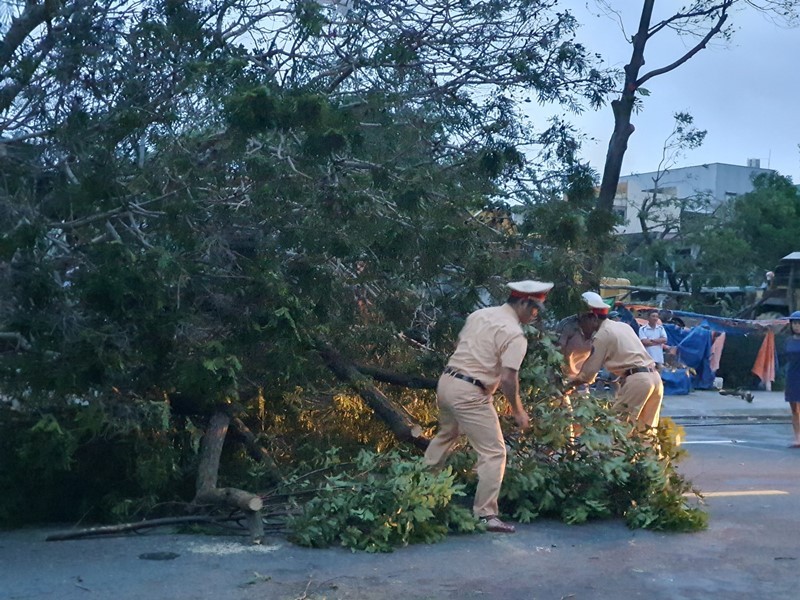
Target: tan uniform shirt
[616, 347]
[492, 338]
[573, 345]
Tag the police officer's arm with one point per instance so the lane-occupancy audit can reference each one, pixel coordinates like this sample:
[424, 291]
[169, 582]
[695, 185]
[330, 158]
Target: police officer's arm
[509, 385]
[592, 365]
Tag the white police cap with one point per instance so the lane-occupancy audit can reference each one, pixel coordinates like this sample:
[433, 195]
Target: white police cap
[536, 290]
[594, 300]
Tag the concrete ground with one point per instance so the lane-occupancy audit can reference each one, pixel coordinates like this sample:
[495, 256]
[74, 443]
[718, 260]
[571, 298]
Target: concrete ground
[738, 456]
[707, 404]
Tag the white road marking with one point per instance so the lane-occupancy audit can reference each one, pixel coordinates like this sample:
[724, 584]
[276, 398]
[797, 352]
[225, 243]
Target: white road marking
[686, 443]
[744, 493]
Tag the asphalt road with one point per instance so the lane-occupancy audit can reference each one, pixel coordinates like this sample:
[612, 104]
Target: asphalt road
[749, 551]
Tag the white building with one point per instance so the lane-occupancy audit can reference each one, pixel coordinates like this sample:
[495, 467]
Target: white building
[715, 182]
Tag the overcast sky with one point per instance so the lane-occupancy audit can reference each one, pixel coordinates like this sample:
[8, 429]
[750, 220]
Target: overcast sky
[746, 94]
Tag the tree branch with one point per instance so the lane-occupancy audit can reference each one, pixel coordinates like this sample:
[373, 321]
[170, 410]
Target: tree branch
[21, 27]
[399, 421]
[700, 45]
[408, 381]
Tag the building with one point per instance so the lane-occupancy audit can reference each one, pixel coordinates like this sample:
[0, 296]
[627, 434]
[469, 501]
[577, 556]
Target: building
[664, 196]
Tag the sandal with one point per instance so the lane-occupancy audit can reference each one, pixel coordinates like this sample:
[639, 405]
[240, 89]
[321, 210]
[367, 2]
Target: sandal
[493, 523]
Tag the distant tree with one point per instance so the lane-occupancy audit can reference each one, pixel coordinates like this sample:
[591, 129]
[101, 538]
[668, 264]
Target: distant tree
[662, 215]
[751, 235]
[701, 20]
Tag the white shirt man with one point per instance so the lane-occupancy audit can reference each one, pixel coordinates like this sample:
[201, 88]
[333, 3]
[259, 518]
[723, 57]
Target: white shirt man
[654, 338]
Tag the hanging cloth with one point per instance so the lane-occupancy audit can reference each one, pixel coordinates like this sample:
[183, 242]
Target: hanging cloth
[764, 366]
[716, 351]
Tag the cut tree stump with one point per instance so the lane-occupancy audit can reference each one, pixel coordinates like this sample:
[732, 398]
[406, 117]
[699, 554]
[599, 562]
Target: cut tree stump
[207, 491]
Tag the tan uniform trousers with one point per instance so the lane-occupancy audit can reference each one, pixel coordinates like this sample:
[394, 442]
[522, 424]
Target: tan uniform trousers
[640, 398]
[466, 409]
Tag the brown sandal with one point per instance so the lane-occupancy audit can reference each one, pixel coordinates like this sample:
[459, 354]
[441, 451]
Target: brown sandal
[493, 523]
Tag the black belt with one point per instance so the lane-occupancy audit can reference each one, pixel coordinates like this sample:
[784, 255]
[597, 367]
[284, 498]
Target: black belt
[451, 371]
[634, 370]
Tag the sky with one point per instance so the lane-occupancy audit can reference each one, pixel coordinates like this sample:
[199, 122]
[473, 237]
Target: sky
[745, 93]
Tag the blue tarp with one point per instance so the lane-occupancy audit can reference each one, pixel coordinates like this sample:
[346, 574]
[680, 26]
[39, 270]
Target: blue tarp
[694, 351]
[677, 382]
[694, 345]
[733, 326]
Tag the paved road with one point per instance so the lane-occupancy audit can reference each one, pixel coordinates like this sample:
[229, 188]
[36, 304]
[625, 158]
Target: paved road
[749, 551]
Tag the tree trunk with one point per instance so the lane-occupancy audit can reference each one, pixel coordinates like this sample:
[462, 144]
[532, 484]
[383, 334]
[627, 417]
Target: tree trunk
[208, 472]
[622, 108]
[399, 421]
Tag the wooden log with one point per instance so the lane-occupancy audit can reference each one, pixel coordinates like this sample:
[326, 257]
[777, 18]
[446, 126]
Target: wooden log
[208, 473]
[241, 499]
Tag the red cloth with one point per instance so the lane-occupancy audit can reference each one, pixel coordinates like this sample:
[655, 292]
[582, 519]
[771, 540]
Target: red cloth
[764, 367]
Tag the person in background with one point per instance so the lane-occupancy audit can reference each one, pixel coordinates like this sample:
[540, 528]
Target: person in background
[576, 347]
[654, 338]
[616, 347]
[792, 390]
[488, 355]
[573, 344]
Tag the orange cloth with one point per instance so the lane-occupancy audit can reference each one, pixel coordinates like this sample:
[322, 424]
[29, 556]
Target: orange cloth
[716, 351]
[764, 366]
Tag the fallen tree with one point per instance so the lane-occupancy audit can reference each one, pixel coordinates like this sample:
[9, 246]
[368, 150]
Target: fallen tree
[207, 474]
[402, 424]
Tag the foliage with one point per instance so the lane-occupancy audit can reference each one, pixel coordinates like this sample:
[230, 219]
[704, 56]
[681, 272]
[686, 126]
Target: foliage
[98, 463]
[750, 236]
[381, 501]
[194, 194]
[193, 231]
[605, 472]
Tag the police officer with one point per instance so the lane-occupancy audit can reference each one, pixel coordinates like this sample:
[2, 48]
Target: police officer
[616, 347]
[573, 344]
[489, 353]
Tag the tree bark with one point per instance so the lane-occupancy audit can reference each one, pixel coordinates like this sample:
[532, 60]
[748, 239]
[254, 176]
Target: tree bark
[230, 497]
[401, 379]
[399, 421]
[622, 108]
[211, 451]
[208, 472]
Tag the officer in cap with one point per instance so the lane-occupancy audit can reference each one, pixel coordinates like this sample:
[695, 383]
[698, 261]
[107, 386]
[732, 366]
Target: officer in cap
[488, 355]
[616, 347]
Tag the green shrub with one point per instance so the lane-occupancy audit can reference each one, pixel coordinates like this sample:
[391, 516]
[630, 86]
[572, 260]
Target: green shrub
[379, 502]
[607, 471]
